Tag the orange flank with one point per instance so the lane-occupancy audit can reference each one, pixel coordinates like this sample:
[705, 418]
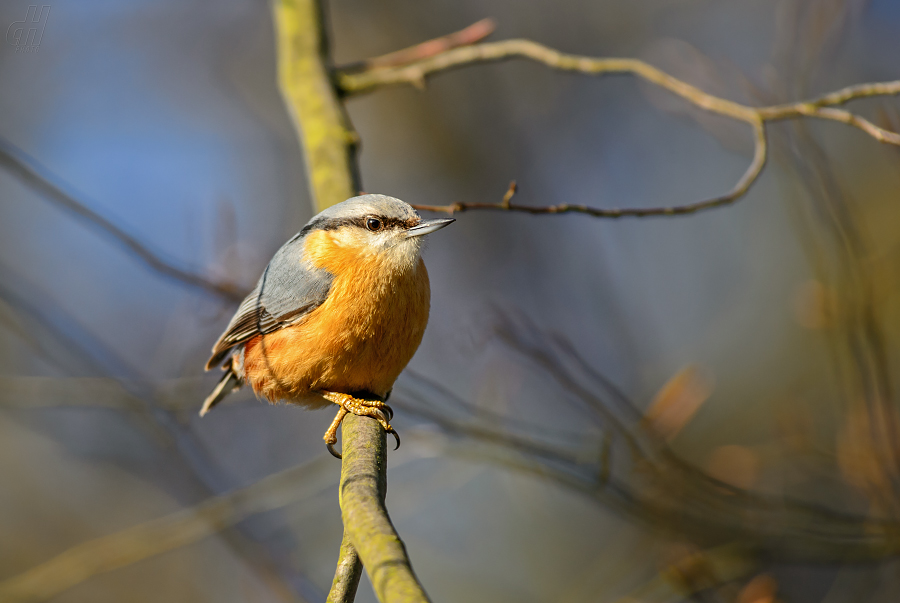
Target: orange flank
[358, 340]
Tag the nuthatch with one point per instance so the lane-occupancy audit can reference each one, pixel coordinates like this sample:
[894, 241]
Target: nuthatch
[336, 315]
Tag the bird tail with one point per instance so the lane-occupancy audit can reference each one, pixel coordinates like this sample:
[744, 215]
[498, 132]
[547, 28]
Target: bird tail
[229, 383]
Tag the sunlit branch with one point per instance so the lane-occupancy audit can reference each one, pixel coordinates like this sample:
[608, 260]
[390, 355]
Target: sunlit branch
[415, 72]
[329, 143]
[323, 129]
[366, 522]
[346, 575]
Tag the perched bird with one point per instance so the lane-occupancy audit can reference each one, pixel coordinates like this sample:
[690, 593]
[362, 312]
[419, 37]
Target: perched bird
[336, 315]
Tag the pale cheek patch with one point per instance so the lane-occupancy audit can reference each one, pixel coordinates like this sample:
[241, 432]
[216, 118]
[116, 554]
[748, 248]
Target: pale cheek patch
[405, 254]
[383, 240]
[353, 238]
[341, 250]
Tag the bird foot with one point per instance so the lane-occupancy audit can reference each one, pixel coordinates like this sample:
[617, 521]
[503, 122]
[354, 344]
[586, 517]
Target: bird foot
[360, 407]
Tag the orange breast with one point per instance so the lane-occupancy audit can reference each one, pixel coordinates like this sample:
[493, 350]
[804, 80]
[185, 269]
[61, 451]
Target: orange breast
[359, 340]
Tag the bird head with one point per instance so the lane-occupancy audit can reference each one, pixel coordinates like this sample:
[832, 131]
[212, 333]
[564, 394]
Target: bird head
[377, 224]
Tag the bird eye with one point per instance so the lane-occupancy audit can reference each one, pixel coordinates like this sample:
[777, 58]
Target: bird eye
[373, 224]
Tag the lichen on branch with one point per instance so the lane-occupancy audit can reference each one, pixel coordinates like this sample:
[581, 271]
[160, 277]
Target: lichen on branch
[328, 140]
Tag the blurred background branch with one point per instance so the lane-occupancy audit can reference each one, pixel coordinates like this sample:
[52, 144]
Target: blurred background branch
[139, 542]
[37, 177]
[647, 481]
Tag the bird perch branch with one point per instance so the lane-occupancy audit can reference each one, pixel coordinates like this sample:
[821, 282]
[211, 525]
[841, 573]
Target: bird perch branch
[329, 145]
[362, 493]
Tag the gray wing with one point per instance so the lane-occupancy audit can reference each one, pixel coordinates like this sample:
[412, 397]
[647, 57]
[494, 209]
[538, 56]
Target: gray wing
[288, 290]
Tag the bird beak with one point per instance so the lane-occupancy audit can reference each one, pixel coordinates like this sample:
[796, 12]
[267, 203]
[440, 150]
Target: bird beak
[428, 227]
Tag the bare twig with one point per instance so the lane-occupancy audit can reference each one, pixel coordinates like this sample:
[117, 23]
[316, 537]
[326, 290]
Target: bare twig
[743, 185]
[362, 492]
[416, 71]
[367, 81]
[839, 115]
[844, 95]
[464, 37]
[37, 177]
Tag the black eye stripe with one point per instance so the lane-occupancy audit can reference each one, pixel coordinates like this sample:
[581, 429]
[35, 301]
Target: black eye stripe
[335, 223]
[389, 222]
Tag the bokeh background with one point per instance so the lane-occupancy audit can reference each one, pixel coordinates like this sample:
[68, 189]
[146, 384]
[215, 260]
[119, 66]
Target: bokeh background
[759, 340]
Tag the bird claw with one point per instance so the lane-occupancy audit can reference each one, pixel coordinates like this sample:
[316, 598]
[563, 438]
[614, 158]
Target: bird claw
[376, 409]
[387, 411]
[333, 452]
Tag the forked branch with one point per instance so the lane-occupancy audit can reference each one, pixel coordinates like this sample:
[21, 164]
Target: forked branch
[353, 82]
[366, 522]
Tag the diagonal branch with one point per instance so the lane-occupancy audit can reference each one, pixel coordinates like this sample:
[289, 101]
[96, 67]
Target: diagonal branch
[844, 95]
[164, 534]
[37, 177]
[353, 83]
[470, 35]
[488, 52]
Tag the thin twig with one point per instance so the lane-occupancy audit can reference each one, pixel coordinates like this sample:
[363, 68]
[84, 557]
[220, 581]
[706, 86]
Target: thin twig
[358, 83]
[470, 35]
[416, 71]
[750, 175]
[839, 115]
[844, 95]
[37, 177]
